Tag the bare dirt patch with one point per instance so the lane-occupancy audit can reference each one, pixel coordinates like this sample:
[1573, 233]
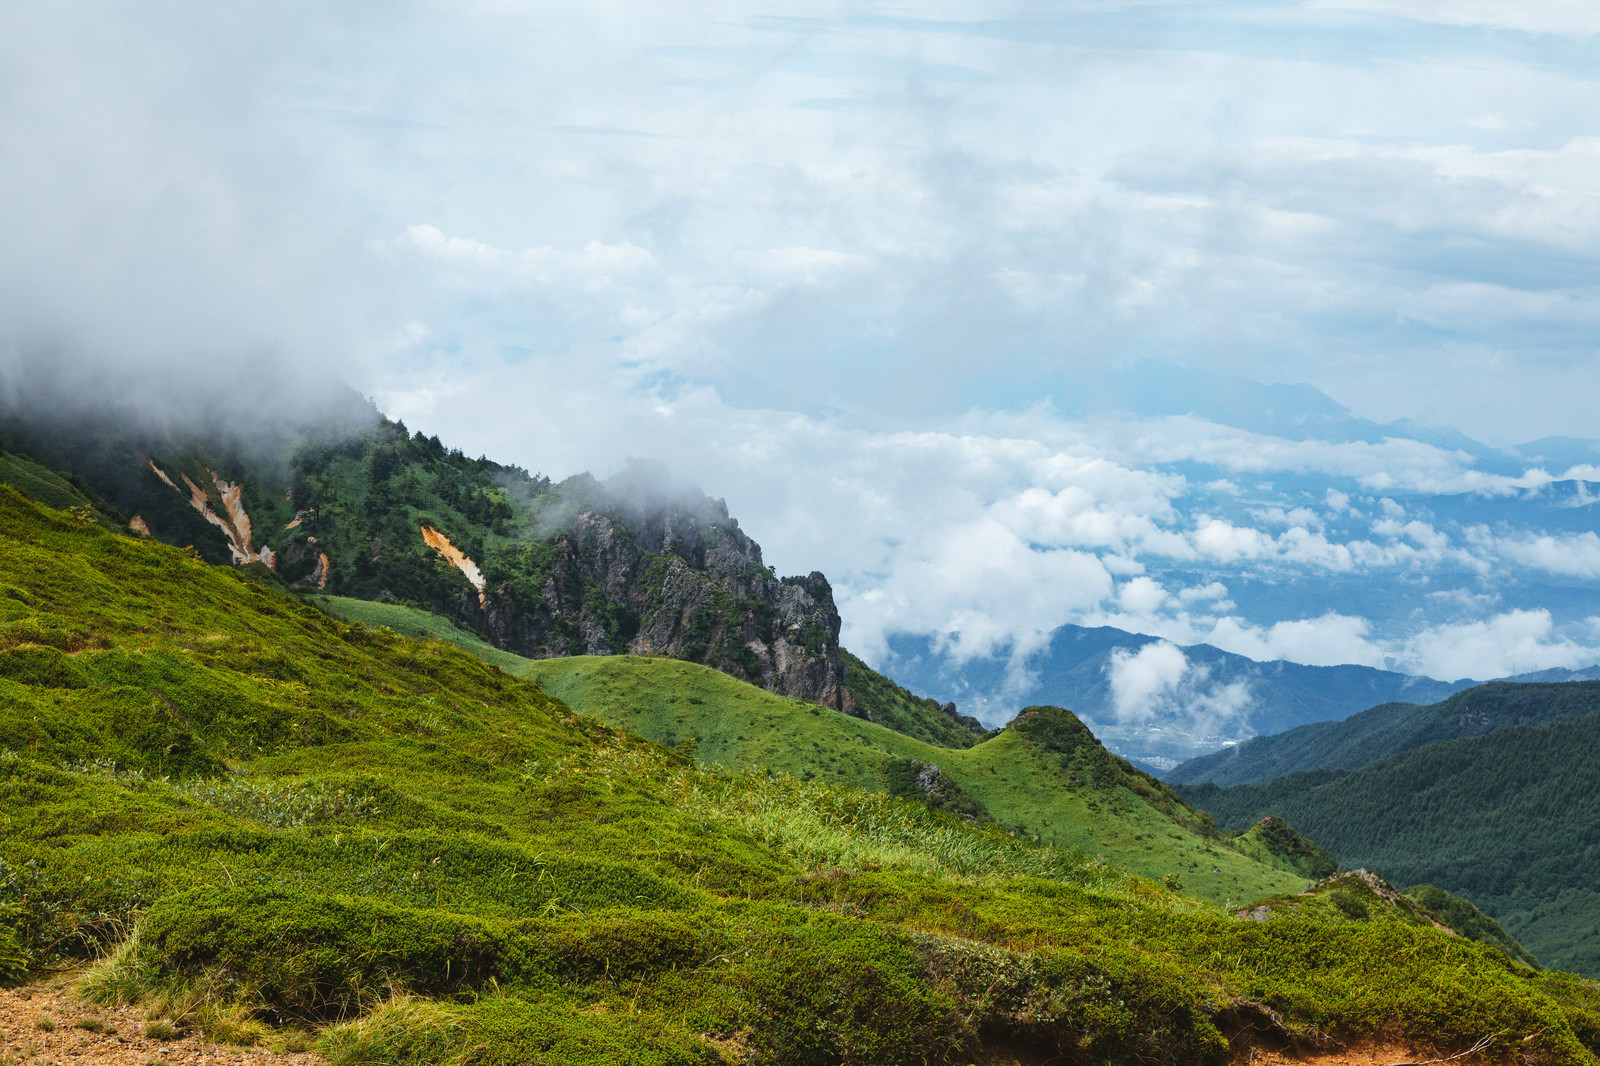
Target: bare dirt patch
[45, 1024]
[1366, 1055]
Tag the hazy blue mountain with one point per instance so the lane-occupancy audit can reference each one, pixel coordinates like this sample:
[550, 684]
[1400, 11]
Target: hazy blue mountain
[1153, 388]
[1506, 820]
[1075, 671]
[1561, 451]
[1416, 534]
[1390, 729]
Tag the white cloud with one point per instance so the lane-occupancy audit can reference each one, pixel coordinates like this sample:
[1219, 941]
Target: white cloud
[1514, 642]
[1143, 681]
[1215, 590]
[1221, 540]
[597, 263]
[1278, 516]
[1142, 595]
[1571, 555]
[1329, 640]
[1159, 683]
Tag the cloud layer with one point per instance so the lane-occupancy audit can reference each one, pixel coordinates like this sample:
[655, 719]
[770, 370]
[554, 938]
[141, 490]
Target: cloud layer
[944, 300]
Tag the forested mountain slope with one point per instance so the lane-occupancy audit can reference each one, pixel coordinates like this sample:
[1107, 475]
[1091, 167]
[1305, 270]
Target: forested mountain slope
[307, 825]
[357, 506]
[1507, 820]
[1390, 729]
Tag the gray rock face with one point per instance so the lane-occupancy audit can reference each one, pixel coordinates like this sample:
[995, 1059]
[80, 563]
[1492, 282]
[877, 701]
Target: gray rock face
[652, 573]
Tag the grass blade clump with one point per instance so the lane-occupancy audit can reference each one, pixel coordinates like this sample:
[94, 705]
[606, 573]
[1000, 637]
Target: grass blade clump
[14, 962]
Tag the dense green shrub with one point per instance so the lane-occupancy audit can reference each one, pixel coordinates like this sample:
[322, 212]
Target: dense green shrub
[314, 957]
[842, 991]
[622, 946]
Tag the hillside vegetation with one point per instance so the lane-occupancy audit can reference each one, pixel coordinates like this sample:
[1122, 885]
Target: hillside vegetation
[1506, 820]
[356, 506]
[1064, 790]
[292, 828]
[1044, 777]
[1390, 729]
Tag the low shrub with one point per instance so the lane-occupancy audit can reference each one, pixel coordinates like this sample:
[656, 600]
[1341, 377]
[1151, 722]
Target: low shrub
[13, 960]
[502, 1031]
[620, 947]
[310, 957]
[851, 992]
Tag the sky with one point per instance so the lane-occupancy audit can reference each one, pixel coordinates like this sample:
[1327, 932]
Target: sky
[922, 290]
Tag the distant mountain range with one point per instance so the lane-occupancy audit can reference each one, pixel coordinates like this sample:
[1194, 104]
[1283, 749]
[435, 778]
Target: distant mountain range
[1410, 533]
[1491, 794]
[1391, 729]
[1077, 669]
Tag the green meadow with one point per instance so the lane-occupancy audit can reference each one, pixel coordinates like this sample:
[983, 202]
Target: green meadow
[278, 826]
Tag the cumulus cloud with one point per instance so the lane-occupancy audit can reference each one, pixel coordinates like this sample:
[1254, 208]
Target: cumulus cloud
[837, 270]
[1145, 680]
[1328, 640]
[1513, 642]
[1571, 555]
[1158, 683]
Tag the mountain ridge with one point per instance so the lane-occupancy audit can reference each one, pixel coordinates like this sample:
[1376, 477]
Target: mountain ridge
[371, 510]
[1503, 819]
[1075, 669]
[1391, 729]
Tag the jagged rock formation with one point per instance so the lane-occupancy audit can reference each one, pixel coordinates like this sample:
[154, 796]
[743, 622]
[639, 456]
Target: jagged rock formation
[657, 575]
[372, 511]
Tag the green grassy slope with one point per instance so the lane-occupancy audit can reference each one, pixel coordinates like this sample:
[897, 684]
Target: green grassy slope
[889, 704]
[1468, 920]
[1390, 729]
[1064, 791]
[412, 622]
[1506, 820]
[1103, 807]
[1080, 797]
[1273, 841]
[54, 489]
[286, 822]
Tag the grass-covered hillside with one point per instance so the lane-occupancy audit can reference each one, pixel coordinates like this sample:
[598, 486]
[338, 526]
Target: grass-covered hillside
[356, 506]
[292, 828]
[1506, 820]
[1390, 729]
[1045, 777]
[876, 697]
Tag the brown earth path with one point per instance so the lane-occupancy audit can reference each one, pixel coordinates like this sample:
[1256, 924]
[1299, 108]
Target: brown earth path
[1367, 1055]
[42, 1025]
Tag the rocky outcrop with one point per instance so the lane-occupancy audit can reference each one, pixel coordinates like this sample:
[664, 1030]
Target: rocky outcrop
[625, 568]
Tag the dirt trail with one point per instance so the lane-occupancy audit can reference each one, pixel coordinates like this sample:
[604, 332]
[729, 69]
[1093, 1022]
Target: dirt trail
[40, 1025]
[1369, 1055]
